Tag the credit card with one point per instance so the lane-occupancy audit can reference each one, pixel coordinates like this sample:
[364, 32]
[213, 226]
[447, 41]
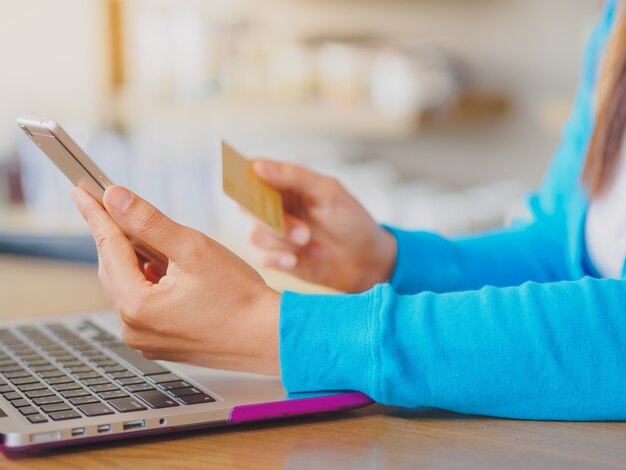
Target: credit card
[244, 186]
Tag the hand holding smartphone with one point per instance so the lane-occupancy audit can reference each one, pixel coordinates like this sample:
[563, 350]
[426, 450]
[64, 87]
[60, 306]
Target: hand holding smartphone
[84, 173]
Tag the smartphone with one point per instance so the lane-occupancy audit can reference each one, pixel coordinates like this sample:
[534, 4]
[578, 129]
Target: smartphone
[84, 173]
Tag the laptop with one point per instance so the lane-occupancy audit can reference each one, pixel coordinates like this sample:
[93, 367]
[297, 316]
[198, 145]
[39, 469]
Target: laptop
[70, 380]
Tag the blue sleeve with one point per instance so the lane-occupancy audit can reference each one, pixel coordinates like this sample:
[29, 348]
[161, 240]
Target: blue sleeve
[429, 262]
[548, 249]
[535, 351]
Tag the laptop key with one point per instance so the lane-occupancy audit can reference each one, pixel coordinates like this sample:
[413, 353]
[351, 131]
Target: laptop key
[72, 362]
[107, 362]
[5, 389]
[79, 369]
[126, 405]
[17, 374]
[83, 400]
[25, 380]
[132, 380]
[38, 363]
[112, 394]
[20, 403]
[12, 396]
[91, 374]
[35, 360]
[22, 349]
[182, 392]
[139, 387]
[162, 378]
[96, 381]
[44, 368]
[60, 380]
[55, 407]
[69, 386]
[172, 385]
[47, 400]
[108, 387]
[37, 418]
[196, 399]
[96, 357]
[95, 409]
[156, 399]
[39, 393]
[137, 361]
[31, 387]
[63, 415]
[52, 374]
[65, 358]
[75, 393]
[28, 410]
[109, 369]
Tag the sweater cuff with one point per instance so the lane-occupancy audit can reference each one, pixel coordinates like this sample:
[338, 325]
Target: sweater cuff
[418, 262]
[327, 342]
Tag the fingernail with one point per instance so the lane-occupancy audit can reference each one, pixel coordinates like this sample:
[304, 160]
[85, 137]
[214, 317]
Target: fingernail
[265, 168]
[299, 235]
[287, 261]
[118, 198]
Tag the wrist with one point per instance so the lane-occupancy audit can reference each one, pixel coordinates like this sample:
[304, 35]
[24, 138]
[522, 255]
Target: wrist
[266, 309]
[387, 253]
[382, 261]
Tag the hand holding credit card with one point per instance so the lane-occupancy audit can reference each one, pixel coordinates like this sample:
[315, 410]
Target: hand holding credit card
[241, 183]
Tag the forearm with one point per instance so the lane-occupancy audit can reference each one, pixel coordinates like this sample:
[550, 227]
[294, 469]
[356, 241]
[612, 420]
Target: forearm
[429, 262]
[537, 351]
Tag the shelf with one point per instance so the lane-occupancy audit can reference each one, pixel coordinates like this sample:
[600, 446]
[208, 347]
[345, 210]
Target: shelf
[275, 117]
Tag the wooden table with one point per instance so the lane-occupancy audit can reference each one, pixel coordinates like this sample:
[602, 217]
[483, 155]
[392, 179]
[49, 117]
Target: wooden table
[374, 437]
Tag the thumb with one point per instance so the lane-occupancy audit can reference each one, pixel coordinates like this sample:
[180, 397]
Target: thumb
[286, 176]
[141, 219]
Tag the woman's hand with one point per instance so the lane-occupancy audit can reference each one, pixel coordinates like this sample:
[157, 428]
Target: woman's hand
[209, 309]
[331, 239]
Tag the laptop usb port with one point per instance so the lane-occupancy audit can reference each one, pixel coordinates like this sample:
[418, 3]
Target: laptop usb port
[78, 432]
[132, 425]
[102, 428]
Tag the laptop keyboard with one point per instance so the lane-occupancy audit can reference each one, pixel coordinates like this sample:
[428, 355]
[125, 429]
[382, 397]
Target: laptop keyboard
[52, 373]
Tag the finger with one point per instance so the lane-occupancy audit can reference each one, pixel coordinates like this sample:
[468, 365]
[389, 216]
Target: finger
[142, 219]
[116, 255]
[266, 239]
[297, 232]
[282, 260]
[286, 176]
[106, 287]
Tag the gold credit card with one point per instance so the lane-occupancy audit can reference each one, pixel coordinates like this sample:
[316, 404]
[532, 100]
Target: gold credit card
[244, 186]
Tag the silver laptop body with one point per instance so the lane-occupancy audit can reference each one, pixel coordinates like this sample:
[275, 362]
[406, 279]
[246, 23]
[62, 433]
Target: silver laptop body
[69, 380]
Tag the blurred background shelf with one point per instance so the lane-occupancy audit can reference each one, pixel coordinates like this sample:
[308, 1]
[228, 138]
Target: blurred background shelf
[257, 116]
[437, 114]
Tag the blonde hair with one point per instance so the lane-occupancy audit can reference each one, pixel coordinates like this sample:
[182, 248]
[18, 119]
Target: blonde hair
[610, 124]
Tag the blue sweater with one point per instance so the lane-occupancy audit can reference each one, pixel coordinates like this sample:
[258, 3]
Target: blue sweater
[513, 323]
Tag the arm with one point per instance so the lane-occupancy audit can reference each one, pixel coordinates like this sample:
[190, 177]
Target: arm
[540, 252]
[429, 262]
[536, 351]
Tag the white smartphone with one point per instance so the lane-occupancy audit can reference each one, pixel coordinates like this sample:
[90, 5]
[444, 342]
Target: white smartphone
[83, 172]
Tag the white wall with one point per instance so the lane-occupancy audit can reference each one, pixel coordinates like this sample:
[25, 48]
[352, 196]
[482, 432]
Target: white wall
[52, 63]
[529, 49]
